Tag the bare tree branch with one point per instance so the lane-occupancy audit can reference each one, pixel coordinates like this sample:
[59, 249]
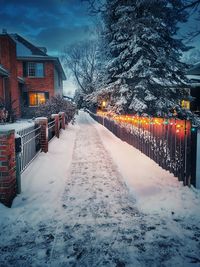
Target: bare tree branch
[95, 6]
[192, 4]
[81, 60]
[193, 9]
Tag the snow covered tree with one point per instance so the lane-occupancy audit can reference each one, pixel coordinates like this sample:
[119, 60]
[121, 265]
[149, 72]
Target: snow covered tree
[144, 71]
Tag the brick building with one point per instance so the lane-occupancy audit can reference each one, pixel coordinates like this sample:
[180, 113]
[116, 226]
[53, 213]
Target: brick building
[28, 75]
[194, 77]
[9, 91]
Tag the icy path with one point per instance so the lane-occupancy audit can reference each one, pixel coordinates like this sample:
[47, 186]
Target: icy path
[80, 213]
[102, 223]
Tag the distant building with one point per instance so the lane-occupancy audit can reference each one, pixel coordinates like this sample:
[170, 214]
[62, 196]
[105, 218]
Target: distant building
[28, 76]
[194, 76]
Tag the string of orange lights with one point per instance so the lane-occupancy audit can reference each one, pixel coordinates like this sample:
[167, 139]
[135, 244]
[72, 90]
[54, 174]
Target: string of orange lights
[179, 125]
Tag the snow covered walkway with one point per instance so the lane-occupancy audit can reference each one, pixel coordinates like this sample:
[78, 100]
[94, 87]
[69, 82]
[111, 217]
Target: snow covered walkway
[77, 210]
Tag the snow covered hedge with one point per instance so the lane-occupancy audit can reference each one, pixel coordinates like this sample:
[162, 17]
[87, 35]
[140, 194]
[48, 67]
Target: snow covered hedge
[54, 105]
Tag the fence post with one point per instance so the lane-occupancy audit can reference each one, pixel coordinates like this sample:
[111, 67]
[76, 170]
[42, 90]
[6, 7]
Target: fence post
[198, 161]
[7, 167]
[43, 123]
[195, 157]
[56, 118]
[62, 114]
[18, 150]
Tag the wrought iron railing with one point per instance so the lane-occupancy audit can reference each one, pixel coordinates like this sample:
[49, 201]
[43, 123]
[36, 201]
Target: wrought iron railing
[30, 145]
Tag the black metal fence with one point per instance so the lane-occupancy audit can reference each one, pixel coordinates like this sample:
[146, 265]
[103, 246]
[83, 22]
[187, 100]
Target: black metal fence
[30, 145]
[169, 142]
[28, 142]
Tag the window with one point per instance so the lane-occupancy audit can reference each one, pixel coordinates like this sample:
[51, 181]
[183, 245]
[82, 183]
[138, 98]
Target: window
[35, 69]
[36, 98]
[185, 104]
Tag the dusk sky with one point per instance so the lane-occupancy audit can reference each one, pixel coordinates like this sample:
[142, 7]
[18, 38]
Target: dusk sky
[50, 23]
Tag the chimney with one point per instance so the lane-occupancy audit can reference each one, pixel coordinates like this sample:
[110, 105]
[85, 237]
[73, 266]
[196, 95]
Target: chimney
[43, 49]
[4, 31]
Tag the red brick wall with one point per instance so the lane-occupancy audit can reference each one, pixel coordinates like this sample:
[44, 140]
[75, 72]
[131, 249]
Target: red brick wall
[9, 61]
[19, 68]
[1, 88]
[45, 84]
[7, 167]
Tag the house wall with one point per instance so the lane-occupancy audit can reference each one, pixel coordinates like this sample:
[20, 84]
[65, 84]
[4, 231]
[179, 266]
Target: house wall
[9, 61]
[1, 89]
[34, 84]
[58, 83]
[195, 104]
[44, 84]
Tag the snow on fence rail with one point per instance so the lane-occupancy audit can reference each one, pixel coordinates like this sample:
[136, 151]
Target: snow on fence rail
[171, 143]
[31, 140]
[20, 145]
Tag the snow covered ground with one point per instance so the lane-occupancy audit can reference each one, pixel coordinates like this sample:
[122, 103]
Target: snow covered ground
[18, 125]
[93, 200]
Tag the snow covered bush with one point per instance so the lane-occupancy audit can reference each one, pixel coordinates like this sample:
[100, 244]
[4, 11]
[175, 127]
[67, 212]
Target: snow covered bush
[54, 105]
[8, 112]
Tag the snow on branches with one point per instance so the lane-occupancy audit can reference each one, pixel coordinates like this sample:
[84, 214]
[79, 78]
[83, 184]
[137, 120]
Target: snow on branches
[143, 64]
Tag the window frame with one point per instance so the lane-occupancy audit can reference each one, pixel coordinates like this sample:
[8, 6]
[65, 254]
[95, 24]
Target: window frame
[34, 69]
[36, 93]
[185, 104]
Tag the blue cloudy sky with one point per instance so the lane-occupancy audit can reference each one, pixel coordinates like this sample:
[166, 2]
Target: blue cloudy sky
[50, 23]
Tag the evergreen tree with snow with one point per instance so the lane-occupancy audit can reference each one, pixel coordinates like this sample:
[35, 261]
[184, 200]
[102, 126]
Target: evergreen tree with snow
[144, 71]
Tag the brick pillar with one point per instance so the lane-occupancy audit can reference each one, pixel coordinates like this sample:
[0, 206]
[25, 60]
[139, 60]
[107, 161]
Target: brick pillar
[43, 122]
[56, 118]
[7, 167]
[62, 115]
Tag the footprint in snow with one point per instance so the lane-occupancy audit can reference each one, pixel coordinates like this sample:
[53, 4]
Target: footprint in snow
[64, 206]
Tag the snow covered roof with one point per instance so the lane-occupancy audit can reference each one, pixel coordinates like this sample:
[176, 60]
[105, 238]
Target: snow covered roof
[20, 79]
[194, 80]
[3, 71]
[195, 70]
[193, 75]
